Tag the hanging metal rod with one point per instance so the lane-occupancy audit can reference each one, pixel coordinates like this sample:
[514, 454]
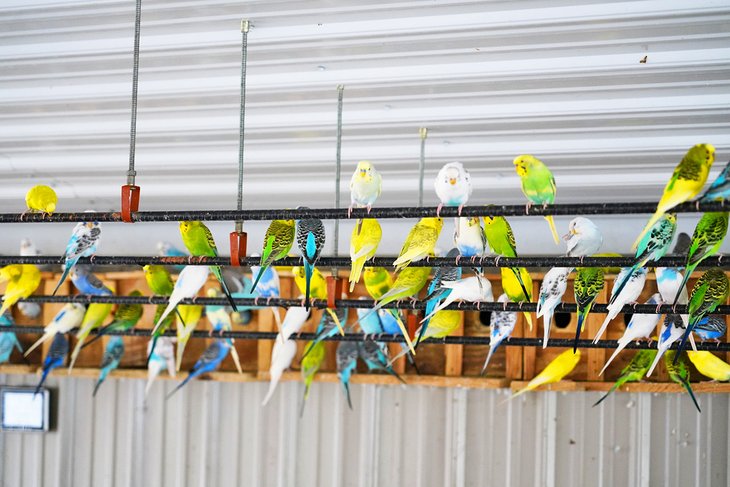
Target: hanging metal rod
[385, 213]
[491, 261]
[384, 337]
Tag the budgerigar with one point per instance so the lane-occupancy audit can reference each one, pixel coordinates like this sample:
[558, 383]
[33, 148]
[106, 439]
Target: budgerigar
[161, 358]
[365, 186]
[640, 326]
[453, 186]
[376, 358]
[281, 357]
[552, 289]
[686, 182]
[474, 288]
[317, 285]
[310, 240]
[112, 356]
[514, 288]
[584, 238]
[83, 243]
[668, 282]
[28, 248]
[378, 281]
[278, 241]
[166, 249]
[436, 292]
[294, 319]
[502, 324]
[187, 320]
[310, 365]
[587, 285]
[87, 283]
[55, 358]
[208, 362]
[501, 240]
[538, 184]
[125, 318]
[710, 365]
[68, 318]
[220, 321]
[369, 322]
[269, 287]
[679, 373]
[188, 284]
[158, 279]
[420, 242]
[8, 339]
[22, 279]
[706, 241]
[41, 199]
[199, 242]
[634, 280]
[329, 325]
[719, 190]
[364, 243]
[443, 323]
[469, 238]
[672, 330]
[711, 328]
[633, 372]
[347, 354]
[561, 366]
[95, 315]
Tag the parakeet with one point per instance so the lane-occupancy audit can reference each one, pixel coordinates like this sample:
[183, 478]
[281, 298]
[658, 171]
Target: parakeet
[294, 319]
[378, 281]
[68, 318]
[711, 328]
[538, 184]
[125, 318]
[161, 358]
[640, 326]
[269, 287]
[634, 280]
[443, 323]
[583, 238]
[347, 353]
[436, 292]
[220, 321]
[278, 241]
[710, 365]
[28, 248]
[369, 322]
[188, 284]
[166, 249]
[311, 362]
[187, 320]
[23, 280]
[706, 241]
[668, 282]
[87, 283]
[95, 315]
[211, 359]
[158, 279]
[83, 243]
[552, 289]
[502, 324]
[453, 186]
[364, 243]
[672, 330]
[55, 358]
[112, 356]
[281, 357]
[561, 366]
[41, 199]
[310, 240]
[633, 372]
[329, 325]
[376, 358]
[686, 182]
[679, 373]
[364, 186]
[30, 310]
[8, 339]
[720, 188]
[512, 285]
[469, 238]
[317, 284]
[587, 285]
[474, 288]
[420, 242]
[199, 242]
[502, 241]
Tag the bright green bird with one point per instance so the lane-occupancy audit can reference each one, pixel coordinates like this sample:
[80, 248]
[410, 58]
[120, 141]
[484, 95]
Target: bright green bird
[710, 365]
[363, 244]
[502, 241]
[95, 315]
[158, 279]
[706, 241]
[188, 317]
[378, 281]
[420, 242]
[538, 184]
[199, 242]
[679, 373]
[587, 285]
[278, 241]
[125, 318]
[633, 372]
[311, 362]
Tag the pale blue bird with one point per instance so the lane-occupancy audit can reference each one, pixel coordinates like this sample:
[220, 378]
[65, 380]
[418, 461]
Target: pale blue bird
[469, 238]
[220, 321]
[720, 188]
[268, 287]
[83, 243]
[502, 324]
[8, 339]
[55, 358]
[112, 356]
[347, 354]
[210, 361]
[369, 322]
[87, 283]
[552, 289]
[711, 328]
[327, 327]
[166, 249]
[376, 358]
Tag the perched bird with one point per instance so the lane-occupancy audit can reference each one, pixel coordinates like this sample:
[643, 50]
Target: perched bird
[220, 321]
[502, 324]
[538, 184]
[376, 358]
[317, 284]
[669, 282]
[347, 353]
[187, 320]
[453, 186]
[41, 199]
[679, 373]
[364, 186]
[22, 279]
[633, 372]
[720, 188]
[672, 330]
[188, 284]
[640, 326]
[369, 322]
[561, 366]
[55, 358]
[310, 240]
[469, 238]
[269, 287]
[436, 292]
[501, 239]
[552, 289]
[475, 288]
[329, 324]
[8, 339]
[711, 328]
[378, 281]
[29, 310]
[278, 241]
[161, 358]
[583, 237]
[83, 243]
[166, 249]
[587, 285]
[87, 283]
[281, 357]
[199, 242]
[634, 280]
[442, 324]
[311, 362]
[28, 248]
[706, 241]
[686, 182]
[125, 318]
[294, 319]
[95, 315]
[512, 285]
[208, 362]
[68, 318]
[112, 356]
[158, 279]
[710, 365]
[420, 242]
[363, 244]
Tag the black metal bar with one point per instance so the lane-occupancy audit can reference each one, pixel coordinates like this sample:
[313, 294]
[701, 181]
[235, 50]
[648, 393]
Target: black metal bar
[385, 213]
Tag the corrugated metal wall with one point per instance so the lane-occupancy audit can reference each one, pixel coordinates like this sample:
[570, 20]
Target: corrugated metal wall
[217, 434]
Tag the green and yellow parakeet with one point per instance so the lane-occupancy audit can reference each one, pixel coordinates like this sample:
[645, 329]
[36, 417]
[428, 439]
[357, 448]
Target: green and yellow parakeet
[95, 315]
[363, 244]
[679, 373]
[278, 241]
[501, 240]
[378, 281]
[633, 372]
[125, 318]
[538, 184]
[311, 362]
[710, 365]
[158, 279]
[587, 285]
[515, 281]
[420, 242]
[561, 366]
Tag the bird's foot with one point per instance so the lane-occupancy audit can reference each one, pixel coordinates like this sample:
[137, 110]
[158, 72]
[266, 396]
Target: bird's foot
[461, 207]
[268, 300]
[473, 259]
[369, 207]
[479, 305]
[633, 305]
[719, 258]
[658, 306]
[527, 207]
[496, 261]
[349, 211]
[210, 333]
[458, 259]
[256, 301]
[504, 306]
[581, 259]
[697, 205]
[438, 209]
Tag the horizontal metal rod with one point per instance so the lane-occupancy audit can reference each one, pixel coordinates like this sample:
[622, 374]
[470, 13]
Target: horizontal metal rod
[360, 303]
[386, 213]
[488, 261]
[385, 337]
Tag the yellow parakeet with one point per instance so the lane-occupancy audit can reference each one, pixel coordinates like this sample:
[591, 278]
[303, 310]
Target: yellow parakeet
[378, 281]
[41, 199]
[187, 319]
[561, 366]
[710, 365]
[420, 242]
[23, 280]
[513, 287]
[95, 315]
[363, 244]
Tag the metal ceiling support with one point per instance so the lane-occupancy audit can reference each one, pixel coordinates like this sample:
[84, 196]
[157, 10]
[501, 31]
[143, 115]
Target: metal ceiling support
[334, 282]
[130, 191]
[423, 132]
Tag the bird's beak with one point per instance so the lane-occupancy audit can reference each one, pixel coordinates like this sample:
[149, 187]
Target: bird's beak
[569, 234]
[363, 172]
[452, 181]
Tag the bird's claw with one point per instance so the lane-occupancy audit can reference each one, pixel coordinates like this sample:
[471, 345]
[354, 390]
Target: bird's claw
[349, 211]
[369, 207]
[438, 210]
[461, 207]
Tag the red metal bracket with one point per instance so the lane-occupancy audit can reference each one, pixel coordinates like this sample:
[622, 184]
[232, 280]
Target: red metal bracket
[238, 242]
[334, 290]
[130, 202]
[412, 323]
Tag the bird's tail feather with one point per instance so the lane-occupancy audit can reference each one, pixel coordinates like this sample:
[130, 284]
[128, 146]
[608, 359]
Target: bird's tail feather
[308, 271]
[492, 349]
[66, 270]
[180, 385]
[546, 322]
[603, 398]
[659, 354]
[553, 230]
[687, 272]
[217, 271]
[42, 381]
[258, 276]
[687, 386]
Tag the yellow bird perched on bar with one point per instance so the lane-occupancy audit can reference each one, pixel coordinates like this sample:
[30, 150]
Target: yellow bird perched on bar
[420, 242]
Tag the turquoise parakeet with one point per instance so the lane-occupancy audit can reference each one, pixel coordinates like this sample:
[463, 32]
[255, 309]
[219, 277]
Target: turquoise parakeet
[112, 356]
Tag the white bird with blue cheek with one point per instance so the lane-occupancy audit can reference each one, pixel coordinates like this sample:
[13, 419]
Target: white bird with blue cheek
[453, 186]
[365, 186]
[583, 238]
